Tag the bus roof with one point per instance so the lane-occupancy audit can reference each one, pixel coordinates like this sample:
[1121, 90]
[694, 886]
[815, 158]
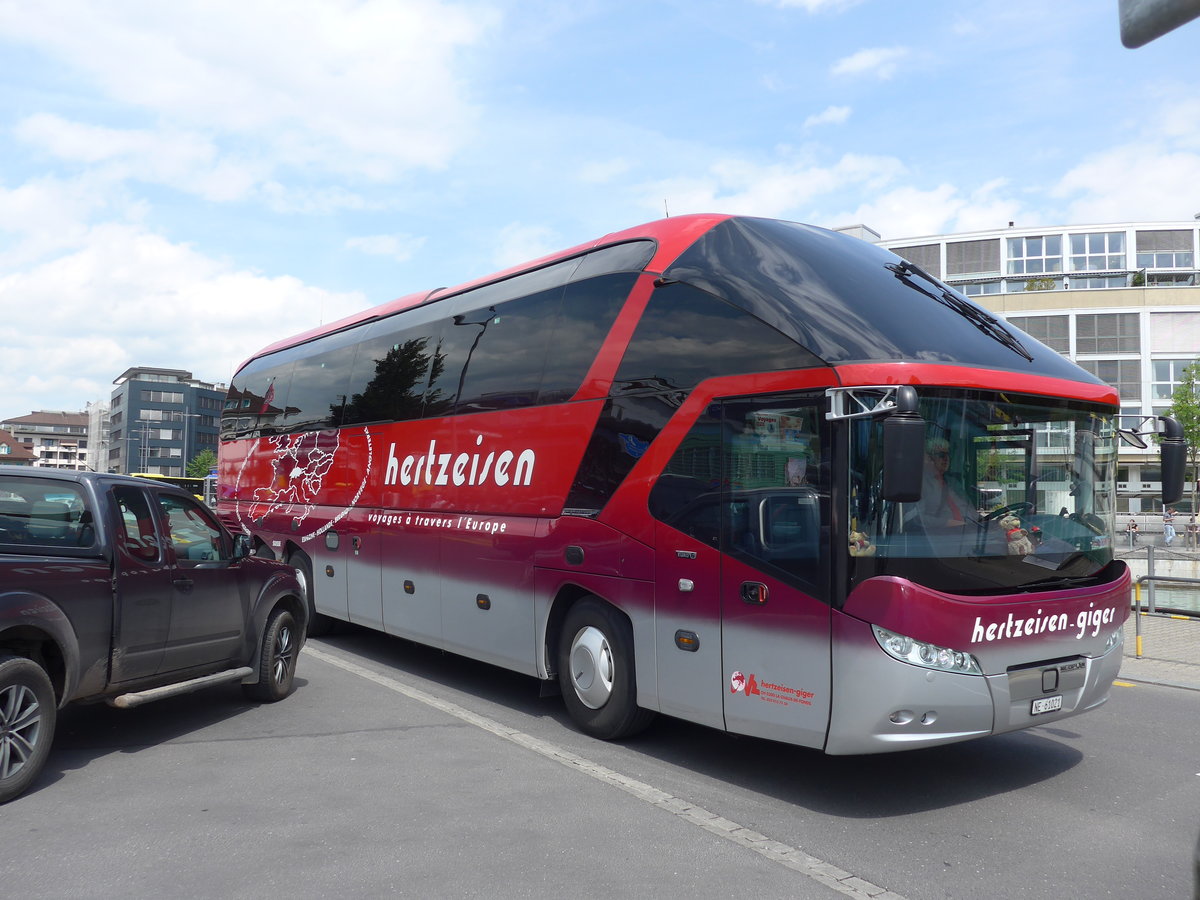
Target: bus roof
[672, 235]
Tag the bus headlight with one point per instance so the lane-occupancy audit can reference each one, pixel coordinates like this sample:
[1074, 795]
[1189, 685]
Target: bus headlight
[928, 656]
[1114, 639]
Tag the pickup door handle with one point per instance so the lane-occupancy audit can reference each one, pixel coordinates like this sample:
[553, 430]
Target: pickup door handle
[184, 584]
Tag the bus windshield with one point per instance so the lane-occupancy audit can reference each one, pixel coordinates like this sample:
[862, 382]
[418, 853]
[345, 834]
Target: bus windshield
[1018, 493]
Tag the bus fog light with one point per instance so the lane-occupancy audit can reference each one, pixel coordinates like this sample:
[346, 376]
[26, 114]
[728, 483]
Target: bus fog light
[928, 656]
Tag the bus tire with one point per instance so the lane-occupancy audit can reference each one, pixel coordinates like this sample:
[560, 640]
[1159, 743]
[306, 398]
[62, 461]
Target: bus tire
[596, 672]
[276, 659]
[317, 624]
[28, 711]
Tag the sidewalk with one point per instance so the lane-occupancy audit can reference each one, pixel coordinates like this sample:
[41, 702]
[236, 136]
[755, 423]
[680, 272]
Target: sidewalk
[1170, 651]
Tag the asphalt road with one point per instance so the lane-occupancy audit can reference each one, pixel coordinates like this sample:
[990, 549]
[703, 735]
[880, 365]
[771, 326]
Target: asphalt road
[398, 770]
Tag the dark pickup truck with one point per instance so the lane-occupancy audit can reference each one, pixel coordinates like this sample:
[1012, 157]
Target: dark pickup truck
[124, 590]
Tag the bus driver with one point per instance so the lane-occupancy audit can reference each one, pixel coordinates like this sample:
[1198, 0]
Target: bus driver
[942, 505]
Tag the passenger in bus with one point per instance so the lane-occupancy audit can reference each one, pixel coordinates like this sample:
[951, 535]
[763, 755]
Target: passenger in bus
[942, 505]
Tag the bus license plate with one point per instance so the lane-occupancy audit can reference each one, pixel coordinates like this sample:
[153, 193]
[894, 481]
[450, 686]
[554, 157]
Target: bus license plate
[1046, 705]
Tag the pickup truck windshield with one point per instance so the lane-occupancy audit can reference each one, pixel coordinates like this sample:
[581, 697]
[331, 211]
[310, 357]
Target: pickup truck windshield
[1017, 493]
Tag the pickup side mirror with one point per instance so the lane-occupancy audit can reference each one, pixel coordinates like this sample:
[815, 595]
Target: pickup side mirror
[241, 546]
[903, 449]
[1173, 455]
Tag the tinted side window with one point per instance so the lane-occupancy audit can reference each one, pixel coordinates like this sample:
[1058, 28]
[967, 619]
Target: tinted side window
[624, 431]
[257, 395]
[194, 533]
[320, 377]
[135, 524]
[391, 371]
[589, 309]
[752, 477]
[686, 335]
[503, 351]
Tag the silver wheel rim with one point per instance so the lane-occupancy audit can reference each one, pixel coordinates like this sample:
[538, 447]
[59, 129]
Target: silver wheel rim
[282, 655]
[591, 667]
[20, 726]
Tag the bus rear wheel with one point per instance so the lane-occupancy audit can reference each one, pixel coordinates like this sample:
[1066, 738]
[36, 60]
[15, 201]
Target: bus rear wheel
[596, 672]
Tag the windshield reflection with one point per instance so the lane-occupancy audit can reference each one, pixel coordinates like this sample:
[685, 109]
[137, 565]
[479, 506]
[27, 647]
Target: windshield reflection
[1017, 492]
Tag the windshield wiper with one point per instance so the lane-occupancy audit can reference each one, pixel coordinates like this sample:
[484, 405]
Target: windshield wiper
[984, 321]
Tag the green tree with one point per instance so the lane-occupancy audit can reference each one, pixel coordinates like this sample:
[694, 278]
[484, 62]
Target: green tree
[1185, 406]
[202, 463]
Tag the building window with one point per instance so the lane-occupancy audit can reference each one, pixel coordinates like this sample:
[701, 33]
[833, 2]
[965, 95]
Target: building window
[1168, 374]
[1035, 255]
[1107, 333]
[1053, 331]
[927, 256]
[1161, 279]
[162, 397]
[979, 288]
[1122, 374]
[972, 258]
[1165, 249]
[1097, 252]
[1098, 282]
[1037, 283]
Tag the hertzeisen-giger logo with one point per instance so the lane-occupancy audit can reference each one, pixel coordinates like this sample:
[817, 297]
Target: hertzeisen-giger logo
[508, 467]
[1017, 626]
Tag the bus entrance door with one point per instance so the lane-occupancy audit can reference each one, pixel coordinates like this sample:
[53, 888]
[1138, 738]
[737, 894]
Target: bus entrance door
[688, 627]
[775, 634]
[775, 641]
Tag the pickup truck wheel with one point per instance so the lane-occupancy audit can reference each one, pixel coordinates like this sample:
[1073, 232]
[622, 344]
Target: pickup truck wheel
[277, 662]
[27, 715]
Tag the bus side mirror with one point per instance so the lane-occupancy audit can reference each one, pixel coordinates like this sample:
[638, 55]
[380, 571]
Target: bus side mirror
[903, 449]
[1173, 454]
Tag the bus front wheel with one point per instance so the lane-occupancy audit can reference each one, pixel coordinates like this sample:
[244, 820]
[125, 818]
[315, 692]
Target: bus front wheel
[596, 672]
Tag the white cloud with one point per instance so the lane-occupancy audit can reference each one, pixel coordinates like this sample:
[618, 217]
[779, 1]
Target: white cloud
[831, 115]
[813, 6]
[517, 243]
[399, 247]
[368, 87]
[775, 189]
[1132, 181]
[145, 301]
[880, 62]
[913, 212]
[605, 171]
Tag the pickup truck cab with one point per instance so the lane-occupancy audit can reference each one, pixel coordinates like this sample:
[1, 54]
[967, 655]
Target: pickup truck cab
[124, 590]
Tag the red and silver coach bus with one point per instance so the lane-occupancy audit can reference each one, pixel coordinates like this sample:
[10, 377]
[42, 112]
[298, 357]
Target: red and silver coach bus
[748, 473]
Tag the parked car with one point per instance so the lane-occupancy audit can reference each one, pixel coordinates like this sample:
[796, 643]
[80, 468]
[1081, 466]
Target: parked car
[126, 590]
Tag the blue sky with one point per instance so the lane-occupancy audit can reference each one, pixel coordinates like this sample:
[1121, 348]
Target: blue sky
[182, 183]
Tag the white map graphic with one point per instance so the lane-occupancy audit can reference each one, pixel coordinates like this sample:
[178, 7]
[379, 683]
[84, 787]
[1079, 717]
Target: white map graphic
[300, 461]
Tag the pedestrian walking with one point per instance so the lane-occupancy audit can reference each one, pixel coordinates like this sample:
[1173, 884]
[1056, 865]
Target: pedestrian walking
[1132, 531]
[1193, 532]
[1168, 526]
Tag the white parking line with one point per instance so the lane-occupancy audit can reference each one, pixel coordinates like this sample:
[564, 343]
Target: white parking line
[785, 855]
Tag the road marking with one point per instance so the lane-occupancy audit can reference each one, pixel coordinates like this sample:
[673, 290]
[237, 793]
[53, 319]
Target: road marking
[794, 858]
[1124, 684]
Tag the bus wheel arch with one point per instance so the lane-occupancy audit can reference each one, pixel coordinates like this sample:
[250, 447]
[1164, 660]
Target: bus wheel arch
[318, 624]
[595, 664]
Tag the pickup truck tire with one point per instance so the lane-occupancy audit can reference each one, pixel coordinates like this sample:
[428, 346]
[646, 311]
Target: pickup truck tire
[277, 660]
[28, 710]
